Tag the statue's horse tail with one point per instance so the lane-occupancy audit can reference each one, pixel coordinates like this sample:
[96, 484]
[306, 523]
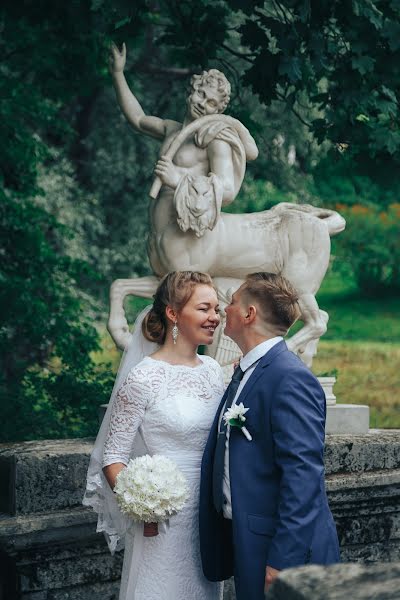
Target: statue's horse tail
[331, 218]
[335, 222]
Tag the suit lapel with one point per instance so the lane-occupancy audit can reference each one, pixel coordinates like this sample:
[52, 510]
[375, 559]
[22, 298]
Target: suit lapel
[264, 362]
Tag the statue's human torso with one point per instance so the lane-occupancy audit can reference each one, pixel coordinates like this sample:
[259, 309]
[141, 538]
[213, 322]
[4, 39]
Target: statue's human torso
[190, 160]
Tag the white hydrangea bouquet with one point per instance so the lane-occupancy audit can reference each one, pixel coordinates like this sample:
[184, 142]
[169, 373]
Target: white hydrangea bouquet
[151, 489]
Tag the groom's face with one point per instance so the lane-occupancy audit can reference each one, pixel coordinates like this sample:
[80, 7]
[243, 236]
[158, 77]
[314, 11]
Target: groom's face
[235, 313]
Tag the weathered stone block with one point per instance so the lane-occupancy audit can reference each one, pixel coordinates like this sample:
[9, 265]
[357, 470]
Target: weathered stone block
[61, 567]
[95, 591]
[50, 475]
[378, 449]
[49, 549]
[338, 582]
[43, 476]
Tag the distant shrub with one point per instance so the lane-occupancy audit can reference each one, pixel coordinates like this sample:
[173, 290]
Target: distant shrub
[257, 195]
[370, 245]
[336, 180]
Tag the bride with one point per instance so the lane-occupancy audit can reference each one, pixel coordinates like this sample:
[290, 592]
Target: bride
[164, 401]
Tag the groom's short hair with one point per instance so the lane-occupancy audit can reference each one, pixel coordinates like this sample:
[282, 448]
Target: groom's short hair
[276, 298]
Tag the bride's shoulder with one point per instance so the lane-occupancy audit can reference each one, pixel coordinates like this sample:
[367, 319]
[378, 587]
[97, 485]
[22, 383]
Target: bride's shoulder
[145, 370]
[211, 363]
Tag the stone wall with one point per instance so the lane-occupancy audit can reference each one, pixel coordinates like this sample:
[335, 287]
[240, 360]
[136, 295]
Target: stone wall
[49, 549]
[339, 582]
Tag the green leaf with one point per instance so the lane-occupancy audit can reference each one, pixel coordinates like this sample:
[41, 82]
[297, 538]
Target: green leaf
[122, 22]
[291, 67]
[363, 64]
[389, 93]
[391, 31]
[369, 10]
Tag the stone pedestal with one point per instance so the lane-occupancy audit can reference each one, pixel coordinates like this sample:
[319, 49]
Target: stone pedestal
[49, 549]
[347, 418]
[343, 418]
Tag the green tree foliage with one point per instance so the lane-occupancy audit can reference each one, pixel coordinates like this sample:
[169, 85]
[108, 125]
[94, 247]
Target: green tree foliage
[371, 248]
[344, 56]
[335, 180]
[49, 384]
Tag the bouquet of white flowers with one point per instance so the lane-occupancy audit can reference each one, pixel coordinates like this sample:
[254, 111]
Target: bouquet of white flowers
[150, 489]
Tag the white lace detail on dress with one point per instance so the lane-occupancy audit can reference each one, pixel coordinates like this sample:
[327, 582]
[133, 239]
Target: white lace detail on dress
[170, 408]
[135, 394]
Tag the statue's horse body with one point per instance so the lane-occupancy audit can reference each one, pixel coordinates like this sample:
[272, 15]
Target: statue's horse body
[290, 239]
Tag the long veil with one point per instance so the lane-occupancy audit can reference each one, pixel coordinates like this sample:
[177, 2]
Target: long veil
[98, 493]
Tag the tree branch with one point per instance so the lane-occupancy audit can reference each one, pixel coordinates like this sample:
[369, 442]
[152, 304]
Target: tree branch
[294, 111]
[239, 54]
[176, 72]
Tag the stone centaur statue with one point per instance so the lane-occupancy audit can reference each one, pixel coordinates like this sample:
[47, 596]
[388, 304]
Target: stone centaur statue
[201, 168]
[290, 239]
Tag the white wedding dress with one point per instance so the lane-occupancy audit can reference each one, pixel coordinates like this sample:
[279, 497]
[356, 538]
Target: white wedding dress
[169, 409]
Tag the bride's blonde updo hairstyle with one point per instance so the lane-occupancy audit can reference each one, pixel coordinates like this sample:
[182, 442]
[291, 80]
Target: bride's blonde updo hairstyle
[175, 289]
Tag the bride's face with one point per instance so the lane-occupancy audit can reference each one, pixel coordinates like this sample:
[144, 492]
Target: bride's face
[199, 318]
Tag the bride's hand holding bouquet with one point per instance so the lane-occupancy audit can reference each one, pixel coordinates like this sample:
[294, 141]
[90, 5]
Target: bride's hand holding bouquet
[151, 489]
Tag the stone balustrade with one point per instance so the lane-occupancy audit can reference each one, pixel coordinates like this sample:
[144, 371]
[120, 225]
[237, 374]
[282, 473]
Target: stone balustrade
[339, 582]
[50, 551]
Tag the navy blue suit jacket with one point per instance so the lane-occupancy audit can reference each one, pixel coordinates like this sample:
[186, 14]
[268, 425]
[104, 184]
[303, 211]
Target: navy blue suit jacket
[280, 511]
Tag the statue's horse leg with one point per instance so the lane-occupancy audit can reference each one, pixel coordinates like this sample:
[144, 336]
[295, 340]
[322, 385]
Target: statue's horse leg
[304, 342]
[310, 349]
[305, 269]
[117, 325]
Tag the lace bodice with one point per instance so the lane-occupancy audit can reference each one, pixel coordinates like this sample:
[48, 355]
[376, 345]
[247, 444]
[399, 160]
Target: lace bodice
[171, 406]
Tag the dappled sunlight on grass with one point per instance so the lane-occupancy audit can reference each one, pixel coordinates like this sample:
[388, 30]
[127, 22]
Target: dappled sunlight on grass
[368, 373]
[109, 353]
[353, 316]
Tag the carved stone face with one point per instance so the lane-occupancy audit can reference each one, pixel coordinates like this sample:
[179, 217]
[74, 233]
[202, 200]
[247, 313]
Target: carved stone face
[205, 100]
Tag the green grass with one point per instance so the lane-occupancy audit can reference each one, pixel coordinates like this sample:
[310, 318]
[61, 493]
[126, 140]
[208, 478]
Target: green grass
[368, 373]
[363, 344]
[355, 317]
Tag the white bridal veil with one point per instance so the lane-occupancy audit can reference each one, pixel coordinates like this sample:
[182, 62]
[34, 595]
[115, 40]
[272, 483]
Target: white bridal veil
[98, 493]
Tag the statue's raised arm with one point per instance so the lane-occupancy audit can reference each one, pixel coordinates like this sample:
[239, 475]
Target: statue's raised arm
[129, 104]
[202, 159]
[217, 150]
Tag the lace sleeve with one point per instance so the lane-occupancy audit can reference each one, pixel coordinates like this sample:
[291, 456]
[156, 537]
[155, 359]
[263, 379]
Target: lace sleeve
[127, 414]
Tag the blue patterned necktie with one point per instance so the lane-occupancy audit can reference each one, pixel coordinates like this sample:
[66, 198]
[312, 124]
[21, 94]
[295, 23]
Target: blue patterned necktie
[219, 455]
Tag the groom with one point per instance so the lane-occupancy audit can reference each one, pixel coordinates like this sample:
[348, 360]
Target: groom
[263, 505]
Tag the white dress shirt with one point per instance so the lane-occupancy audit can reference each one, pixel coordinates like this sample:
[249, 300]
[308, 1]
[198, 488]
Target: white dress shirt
[248, 363]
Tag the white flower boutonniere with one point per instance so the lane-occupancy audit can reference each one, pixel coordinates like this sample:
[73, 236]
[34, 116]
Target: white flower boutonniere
[234, 416]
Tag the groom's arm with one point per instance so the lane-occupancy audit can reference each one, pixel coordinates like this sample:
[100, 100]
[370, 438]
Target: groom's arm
[298, 429]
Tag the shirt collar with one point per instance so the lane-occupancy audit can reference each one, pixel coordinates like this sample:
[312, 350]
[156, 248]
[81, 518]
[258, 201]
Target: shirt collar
[257, 352]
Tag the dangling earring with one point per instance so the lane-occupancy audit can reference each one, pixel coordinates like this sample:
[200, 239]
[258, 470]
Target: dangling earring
[175, 332]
